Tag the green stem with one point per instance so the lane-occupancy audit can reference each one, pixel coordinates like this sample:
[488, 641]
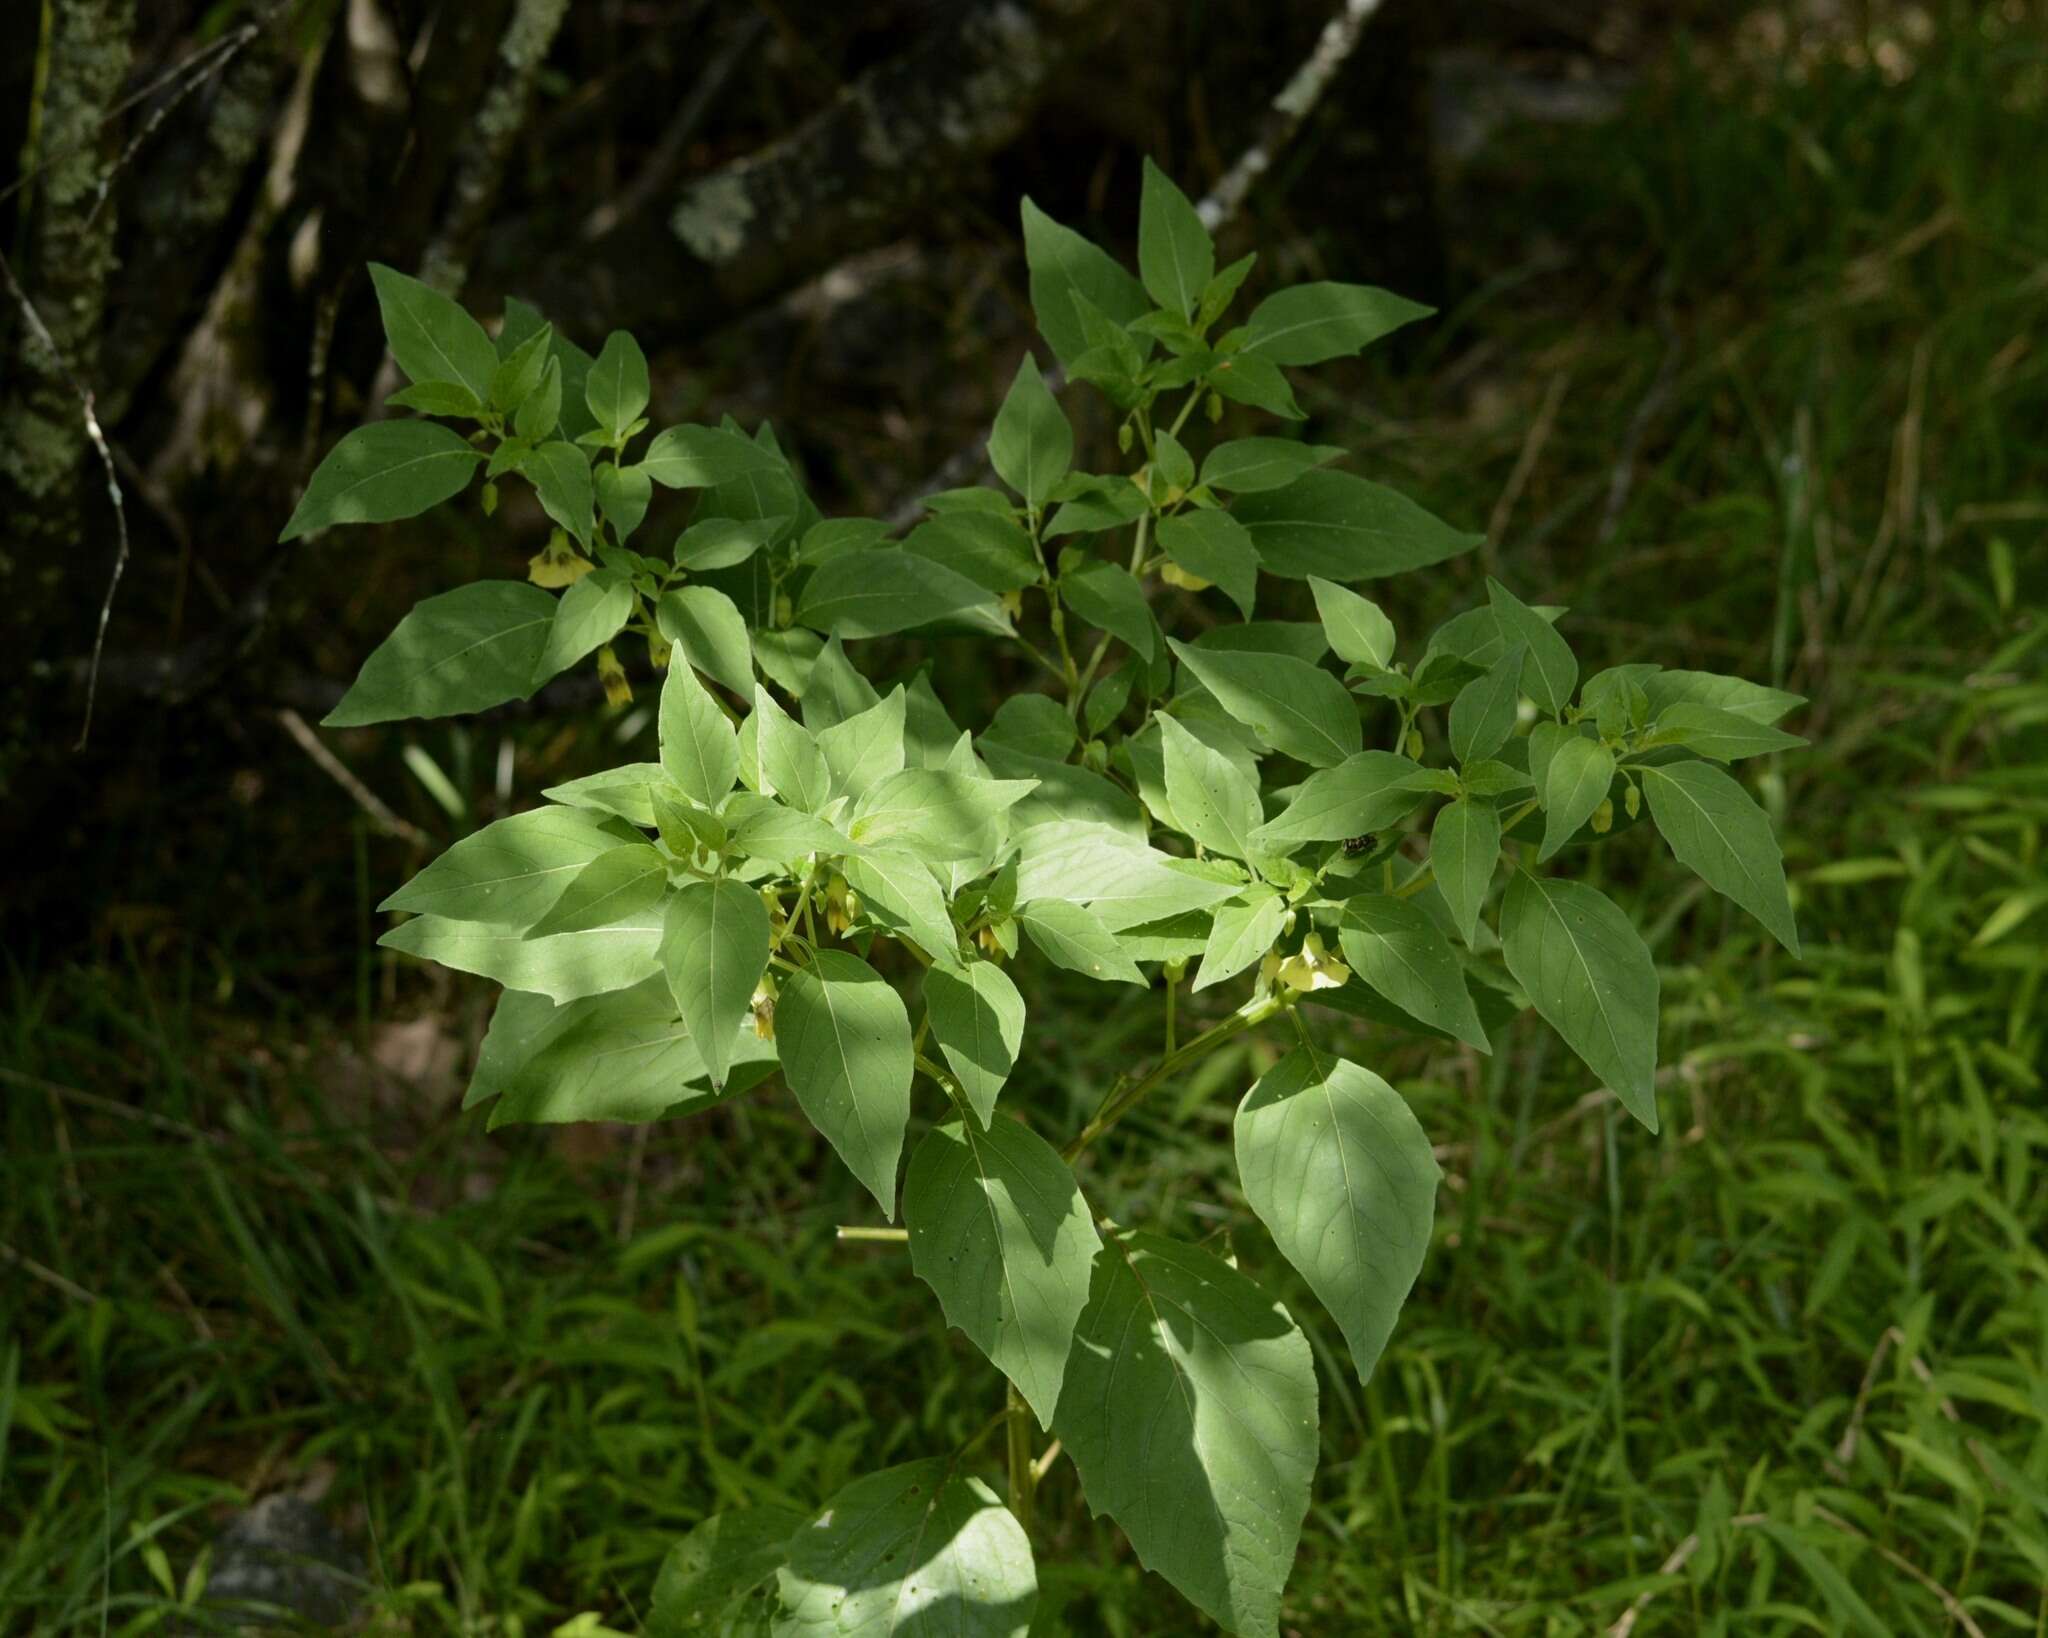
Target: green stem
[874, 1236]
[1102, 648]
[1123, 1099]
[1023, 1472]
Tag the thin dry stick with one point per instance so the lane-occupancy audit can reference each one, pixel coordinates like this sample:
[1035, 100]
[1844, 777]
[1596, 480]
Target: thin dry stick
[365, 798]
[1525, 463]
[49, 1276]
[1949, 1601]
[41, 331]
[1680, 1555]
[1284, 117]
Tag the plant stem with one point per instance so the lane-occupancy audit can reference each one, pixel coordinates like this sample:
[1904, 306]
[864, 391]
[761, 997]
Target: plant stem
[1120, 1102]
[1023, 1471]
[876, 1236]
[1094, 660]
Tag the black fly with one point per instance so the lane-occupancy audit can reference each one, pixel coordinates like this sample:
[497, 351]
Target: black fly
[1355, 845]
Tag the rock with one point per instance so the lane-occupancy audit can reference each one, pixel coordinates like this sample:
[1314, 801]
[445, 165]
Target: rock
[282, 1563]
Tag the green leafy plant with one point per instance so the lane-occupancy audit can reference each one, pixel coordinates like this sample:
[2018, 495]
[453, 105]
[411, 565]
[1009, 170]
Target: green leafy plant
[820, 874]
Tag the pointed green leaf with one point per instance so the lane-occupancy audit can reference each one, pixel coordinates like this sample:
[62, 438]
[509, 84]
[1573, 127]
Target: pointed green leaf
[614, 886]
[1240, 934]
[1574, 784]
[1464, 846]
[699, 748]
[1717, 831]
[721, 1577]
[1064, 264]
[1073, 937]
[1724, 735]
[845, 1044]
[1214, 546]
[591, 612]
[1212, 799]
[510, 872]
[1245, 466]
[1549, 670]
[941, 815]
[866, 747]
[705, 457]
[1295, 707]
[1109, 597]
[383, 472]
[431, 337]
[1589, 974]
[616, 389]
[900, 891]
[1175, 258]
[447, 398]
[878, 593]
[1358, 630]
[714, 949]
[1190, 1410]
[1344, 528]
[1362, 794]
[791, 763]
[564, 967]
[623, 495]
[1342, 1174]
[560, 473]
[993, 552]
[1746, 699]
[1483, 714]
[1031, 446]
[999, 1230]
[977, 1018]
[763, 828]
[1310, 323]
[1396, 949]
[465, 650]
[917, 1551]
[707, 626]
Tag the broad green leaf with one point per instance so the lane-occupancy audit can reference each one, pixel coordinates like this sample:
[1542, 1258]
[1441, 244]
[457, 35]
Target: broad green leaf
[791, 763]
[1119, 878]
[1344, 528]
[1483, 714]
[940, 815]
[865, 748]
[1359, 631]
[917, 1551]
[710, 631]
[1073, 937]
[590, 613]
[1064, 264]
[1190, 1410]
[623, 495]
[560, 473]
[447, 398]
[1362, 794]
[763, 828]
[1293, 706]
[519, 372]
[835, 691]
[1342, 1174]
[1464, 846]
[1717, 831]
[993, 552]
[1245, 466]
[788, 657]
[999, 1230]
[627, 790]
[845, 1044]
[1395, 948]
[1034, 724]
[1107, 596]
[977, 1018]
[1726, 736]
[1310, 323]
[1116, 502]
[613, 887]
[1212, 799]
[699, 748]
[1246, 378]
[1549, 670]
[719, 1581]
[619, 1056]
[1574, 784]
[1746, 699]
[900, 891]
[510, 872]
[879, 593]
[465, 650]
[1031, 446]
[564, 967]
[616, 389]
[1175, 257]
[431, 337]
[1545, 739]
[1588, 972]
[724, 543]
[705, 457]
[1214, 546]
[714, 949]
[1239, 935]
[382, 472]
[540, 413]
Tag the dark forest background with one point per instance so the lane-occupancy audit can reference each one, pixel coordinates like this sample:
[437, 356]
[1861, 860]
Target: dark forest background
[1740, 354]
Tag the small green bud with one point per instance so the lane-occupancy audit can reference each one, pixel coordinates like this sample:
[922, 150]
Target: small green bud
[1603, 818]
[1124, 436]
[1415, 744]
[1214, 408]
[490, 499]
[1632, 799]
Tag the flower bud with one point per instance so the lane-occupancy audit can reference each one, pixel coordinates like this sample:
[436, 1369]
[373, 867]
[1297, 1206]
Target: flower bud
[1603, 817]
[490, 499]
[617, 690]
[1632, 799]
[1174, 575]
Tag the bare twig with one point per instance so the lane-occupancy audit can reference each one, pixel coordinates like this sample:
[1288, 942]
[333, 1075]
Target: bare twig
[1623, 478]
[365, 798]
[41, 332]
[49, 1276]
[1525, 463]
[1290, 107]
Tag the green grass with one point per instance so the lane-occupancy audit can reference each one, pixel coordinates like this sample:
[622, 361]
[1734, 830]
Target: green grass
[1778, 1371]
